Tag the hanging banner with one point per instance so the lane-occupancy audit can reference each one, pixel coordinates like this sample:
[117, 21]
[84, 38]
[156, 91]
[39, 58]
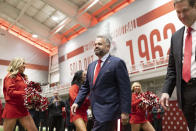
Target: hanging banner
[140, 35]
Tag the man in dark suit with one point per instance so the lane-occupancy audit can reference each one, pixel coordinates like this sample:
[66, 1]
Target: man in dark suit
[108, 82]
[181, 70]
[55, 113]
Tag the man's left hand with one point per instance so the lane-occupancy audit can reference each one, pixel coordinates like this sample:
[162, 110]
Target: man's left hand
[124, 118]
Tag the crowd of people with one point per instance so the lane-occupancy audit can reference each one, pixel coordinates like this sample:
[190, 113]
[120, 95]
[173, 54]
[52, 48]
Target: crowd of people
[104, 94]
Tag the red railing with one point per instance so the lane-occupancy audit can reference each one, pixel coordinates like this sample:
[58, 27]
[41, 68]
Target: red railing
[149, 65]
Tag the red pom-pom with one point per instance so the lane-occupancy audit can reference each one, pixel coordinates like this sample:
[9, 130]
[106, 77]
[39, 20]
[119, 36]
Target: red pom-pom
[32, 98]
[149, 100]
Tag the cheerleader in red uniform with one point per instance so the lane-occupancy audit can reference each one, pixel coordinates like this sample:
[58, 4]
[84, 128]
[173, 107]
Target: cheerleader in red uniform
[13, 89]
[1, 108]
[80, 118]
[138, 112]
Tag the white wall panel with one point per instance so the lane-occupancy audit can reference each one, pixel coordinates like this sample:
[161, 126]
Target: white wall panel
[54, 77]
[11, 46]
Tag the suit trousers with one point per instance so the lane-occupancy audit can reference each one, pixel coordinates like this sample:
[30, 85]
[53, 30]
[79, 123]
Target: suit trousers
[57, 122]
[189, 104]
[105, 126]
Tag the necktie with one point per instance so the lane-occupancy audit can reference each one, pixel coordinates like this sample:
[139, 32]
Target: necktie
[186, 71]
[97, 70]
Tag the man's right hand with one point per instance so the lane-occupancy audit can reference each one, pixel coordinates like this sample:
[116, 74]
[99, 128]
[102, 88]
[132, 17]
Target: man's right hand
[55, 100]
[165, 100]
[74, 108]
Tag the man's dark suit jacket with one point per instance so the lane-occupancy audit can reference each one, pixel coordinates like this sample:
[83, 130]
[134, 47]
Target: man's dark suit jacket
[110, 95]
[174, 70]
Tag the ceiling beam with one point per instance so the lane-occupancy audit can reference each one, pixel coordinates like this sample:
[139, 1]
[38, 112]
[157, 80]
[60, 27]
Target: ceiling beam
[106, 6]
[28, 4]
[85, 5]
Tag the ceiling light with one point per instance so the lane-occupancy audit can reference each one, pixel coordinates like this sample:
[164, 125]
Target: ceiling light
[55, 18]
[92, 4]
[34, 36]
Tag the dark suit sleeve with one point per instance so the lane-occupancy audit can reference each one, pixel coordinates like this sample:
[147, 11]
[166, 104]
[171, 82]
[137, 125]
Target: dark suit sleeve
[62, 104]
[170, 80]
[83, 91]
[124, 87]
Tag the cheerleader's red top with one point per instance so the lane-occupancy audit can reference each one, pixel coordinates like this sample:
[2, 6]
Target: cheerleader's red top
[138, 115]
[13, 90]
[82, 110]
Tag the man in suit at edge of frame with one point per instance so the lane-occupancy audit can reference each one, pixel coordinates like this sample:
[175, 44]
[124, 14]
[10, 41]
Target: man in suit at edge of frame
[108, 83]
[181, 71]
